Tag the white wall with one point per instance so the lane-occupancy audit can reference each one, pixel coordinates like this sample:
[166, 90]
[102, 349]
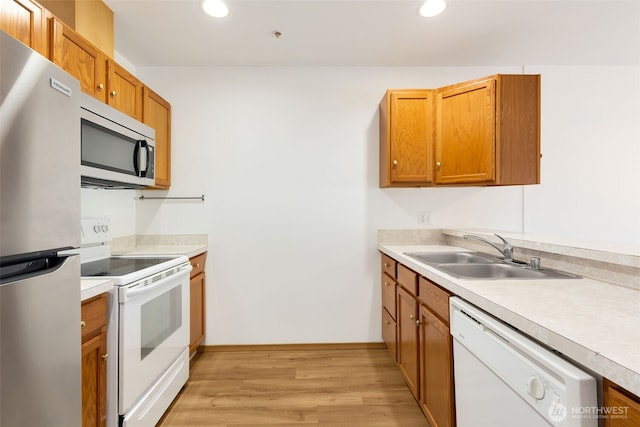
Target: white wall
[288, 161]
[591, 155]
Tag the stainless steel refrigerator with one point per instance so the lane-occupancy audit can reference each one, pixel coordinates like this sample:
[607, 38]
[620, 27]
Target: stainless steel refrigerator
[40, 371]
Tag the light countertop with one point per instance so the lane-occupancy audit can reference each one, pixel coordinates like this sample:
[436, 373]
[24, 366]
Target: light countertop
[189, 245]
[90, 288]
[591, 322]
[188, 250]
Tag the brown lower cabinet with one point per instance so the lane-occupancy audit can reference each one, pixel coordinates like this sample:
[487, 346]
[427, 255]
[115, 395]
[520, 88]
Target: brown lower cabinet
[416, 332]
[408, 350]
[421, 339]
[621, 408]
[436, 356]
[197, 302]
[94, 361]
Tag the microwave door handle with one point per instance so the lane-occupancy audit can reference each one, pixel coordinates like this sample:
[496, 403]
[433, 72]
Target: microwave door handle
[140, 161]
[143, 172]
[136, 158]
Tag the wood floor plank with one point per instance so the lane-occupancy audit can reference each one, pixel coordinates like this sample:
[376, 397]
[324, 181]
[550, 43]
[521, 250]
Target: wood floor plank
[317, 386]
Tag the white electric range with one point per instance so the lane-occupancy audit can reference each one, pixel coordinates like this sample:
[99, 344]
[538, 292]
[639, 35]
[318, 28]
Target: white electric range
[148, 330]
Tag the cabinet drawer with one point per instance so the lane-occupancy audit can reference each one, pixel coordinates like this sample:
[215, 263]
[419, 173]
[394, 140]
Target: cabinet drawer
[389, 334]
[93, 315]
[408, 279]
[434, 297]
[389, 266]
[389, 295]
[197, 262]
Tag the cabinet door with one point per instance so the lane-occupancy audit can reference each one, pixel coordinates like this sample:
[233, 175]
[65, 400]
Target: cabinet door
[407, 138]
[465, 133]
[623, 405]
[407, 317]
[24, 20]
[94, 381]
[436, 381]
[73, 53]
[125, 90]
[156, 112]
[389, 334]
[197, 299]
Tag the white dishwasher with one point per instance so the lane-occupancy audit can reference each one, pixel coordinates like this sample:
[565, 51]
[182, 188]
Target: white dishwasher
[504, 379]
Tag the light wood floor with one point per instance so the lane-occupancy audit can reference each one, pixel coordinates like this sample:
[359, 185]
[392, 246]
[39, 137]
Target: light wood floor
[344, 387]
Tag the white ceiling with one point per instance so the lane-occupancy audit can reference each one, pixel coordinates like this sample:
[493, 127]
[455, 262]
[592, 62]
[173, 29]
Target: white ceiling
[379, 33]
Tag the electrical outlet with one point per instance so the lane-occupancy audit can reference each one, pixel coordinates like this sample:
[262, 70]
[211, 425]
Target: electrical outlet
[424, 218]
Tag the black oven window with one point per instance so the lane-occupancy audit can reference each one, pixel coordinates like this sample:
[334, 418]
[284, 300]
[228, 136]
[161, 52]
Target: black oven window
[160, 317]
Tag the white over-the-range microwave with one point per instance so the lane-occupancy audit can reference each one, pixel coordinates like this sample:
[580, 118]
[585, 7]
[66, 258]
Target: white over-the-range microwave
[117, 151]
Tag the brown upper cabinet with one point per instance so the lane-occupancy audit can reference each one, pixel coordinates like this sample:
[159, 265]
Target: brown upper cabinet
[26, 21]
[125, 90]
[99, 76]
[156, 112]
[406, 138]
[73, 53]
[481, 132]
[488, 131]
[91, 18]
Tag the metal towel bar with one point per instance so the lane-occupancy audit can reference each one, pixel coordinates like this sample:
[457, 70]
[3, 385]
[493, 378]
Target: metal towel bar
[172, 198]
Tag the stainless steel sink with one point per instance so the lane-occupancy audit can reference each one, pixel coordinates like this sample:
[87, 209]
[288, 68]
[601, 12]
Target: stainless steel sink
[500, 271]
[436, 258]
[471, 265]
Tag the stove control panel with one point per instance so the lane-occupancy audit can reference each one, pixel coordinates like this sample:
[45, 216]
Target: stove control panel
[95, 231]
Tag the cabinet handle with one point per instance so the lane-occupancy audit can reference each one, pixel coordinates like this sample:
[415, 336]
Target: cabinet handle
[197, 265]
[100, 86]
[418, 323]
[83, 323]
[386, 322]
[438, 164]
[105, 356]
[412, 317]
[386, 265]
[113, 93]
[387, 284]
[395, 163]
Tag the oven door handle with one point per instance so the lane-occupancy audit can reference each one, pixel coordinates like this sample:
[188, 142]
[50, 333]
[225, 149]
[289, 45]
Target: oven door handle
[127, 293]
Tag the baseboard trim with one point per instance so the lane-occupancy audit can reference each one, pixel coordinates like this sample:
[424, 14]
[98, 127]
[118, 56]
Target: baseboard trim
[289, 347]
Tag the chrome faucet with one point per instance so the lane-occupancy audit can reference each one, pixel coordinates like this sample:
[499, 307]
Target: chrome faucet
[506, 250]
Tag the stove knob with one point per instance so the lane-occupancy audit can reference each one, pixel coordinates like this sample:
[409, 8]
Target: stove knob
[96, 228]
[104, 228]
[535, 388]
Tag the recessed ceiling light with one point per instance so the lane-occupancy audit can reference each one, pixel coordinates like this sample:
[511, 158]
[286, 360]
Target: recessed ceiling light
[215, 8]
[432, 8]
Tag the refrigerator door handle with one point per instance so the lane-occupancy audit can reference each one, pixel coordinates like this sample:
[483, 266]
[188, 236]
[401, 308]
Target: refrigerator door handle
[29, 268]
[69, 252]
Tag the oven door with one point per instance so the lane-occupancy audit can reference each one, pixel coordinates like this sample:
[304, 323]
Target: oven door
[154, 331]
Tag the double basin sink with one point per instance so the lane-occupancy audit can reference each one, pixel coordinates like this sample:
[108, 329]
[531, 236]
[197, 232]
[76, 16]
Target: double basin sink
[471, 265]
